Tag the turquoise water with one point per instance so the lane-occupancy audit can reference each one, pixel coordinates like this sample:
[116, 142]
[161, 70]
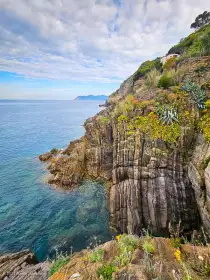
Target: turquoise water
[33, 214]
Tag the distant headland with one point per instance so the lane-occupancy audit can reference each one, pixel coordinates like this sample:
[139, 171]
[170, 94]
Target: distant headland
[92, 97]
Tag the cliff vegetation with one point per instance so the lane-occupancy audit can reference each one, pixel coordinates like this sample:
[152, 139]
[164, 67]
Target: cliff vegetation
[129, 257]
[151, 145]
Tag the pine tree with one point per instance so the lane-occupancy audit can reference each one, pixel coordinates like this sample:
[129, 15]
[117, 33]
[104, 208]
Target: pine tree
[201, 20]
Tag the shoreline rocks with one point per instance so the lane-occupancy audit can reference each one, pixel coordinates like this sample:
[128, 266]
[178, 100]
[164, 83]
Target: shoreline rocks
[22, 266]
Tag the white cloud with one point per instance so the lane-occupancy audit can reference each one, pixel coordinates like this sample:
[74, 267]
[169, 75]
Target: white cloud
[88, 40]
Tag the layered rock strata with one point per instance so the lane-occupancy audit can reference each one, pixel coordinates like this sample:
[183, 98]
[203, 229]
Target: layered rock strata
[22, 266]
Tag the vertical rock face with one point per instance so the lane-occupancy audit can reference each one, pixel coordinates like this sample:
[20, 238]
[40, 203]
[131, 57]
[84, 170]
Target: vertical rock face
[154, 185]
[199, 175]
[150, 186]
[99, 150]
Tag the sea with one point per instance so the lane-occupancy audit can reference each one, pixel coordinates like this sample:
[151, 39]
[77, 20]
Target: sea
[33, 214]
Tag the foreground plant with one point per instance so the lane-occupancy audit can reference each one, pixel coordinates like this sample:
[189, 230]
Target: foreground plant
[96, 255]
[58, 263]
[105, 271]
[127, 244]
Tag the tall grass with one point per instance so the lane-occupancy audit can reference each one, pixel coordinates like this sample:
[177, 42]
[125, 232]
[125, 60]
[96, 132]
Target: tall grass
[153, 78]
[177, 75]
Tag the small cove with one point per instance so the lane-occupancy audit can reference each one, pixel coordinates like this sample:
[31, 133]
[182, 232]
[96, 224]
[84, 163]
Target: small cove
[33, 214]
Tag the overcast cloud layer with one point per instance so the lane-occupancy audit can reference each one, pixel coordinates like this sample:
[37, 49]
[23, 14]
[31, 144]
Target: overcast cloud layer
[90, 40]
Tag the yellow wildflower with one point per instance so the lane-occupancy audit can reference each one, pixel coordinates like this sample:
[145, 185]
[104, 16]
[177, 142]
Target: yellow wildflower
[118, 237]
[177, 254]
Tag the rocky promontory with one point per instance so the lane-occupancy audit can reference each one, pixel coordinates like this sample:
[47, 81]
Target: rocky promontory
[152, 182]
[151, 145]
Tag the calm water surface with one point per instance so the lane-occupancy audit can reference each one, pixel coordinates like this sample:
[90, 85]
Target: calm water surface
[32, 214]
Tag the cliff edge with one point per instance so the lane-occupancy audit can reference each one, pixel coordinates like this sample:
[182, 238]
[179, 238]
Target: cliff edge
[152, 145]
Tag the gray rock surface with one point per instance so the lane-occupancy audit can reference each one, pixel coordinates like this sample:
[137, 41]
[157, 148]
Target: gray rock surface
[22, 266]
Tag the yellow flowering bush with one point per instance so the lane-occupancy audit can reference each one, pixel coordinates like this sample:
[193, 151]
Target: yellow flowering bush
[152, 126]
[122, 118]
[177, 255]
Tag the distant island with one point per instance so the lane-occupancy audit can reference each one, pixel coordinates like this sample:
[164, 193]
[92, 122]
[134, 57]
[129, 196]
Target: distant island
[92, 97]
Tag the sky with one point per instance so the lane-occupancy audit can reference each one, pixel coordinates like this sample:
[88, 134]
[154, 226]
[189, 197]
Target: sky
[59, 49]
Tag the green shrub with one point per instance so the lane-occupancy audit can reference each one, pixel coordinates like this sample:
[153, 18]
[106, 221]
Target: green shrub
[127, 244]
[124, 258]
[175, 242]
[96, 255]
[171, 77]
[195, 49]
[129, 241]
[170, 63]
[148, 66]
[106, 271]
[153, 78]
[148, 246]
[122, 118]
[54, 151]
[183, 44]
[206, 44]
[195, 44]
[165, 81]
[58, 263]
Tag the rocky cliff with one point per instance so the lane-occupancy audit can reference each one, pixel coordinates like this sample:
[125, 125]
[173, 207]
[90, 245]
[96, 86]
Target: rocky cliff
[153, 183]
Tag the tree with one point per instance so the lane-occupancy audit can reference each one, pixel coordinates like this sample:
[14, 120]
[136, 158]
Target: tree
[201, 20]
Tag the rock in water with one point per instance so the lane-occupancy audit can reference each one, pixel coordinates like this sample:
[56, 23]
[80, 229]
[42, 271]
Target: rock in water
[45, 157]
[23, 266]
